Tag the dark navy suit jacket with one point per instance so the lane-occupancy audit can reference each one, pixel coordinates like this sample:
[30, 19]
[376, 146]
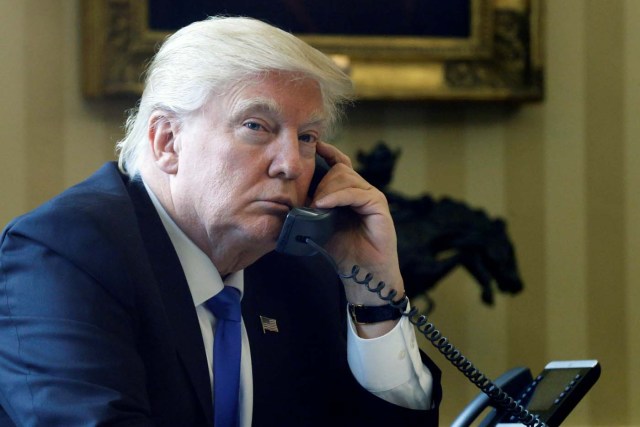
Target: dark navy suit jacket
[97, 325]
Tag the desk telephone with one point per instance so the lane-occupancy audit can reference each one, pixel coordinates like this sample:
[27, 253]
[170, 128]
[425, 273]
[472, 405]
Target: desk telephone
[542, 401]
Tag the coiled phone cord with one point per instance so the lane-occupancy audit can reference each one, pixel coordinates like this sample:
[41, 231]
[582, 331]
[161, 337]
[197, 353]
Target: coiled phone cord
[435, 337]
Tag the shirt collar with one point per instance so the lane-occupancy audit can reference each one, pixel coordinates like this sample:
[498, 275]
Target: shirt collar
[202, 276]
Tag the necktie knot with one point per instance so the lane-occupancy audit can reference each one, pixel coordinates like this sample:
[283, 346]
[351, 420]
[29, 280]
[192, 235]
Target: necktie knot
[226, 304]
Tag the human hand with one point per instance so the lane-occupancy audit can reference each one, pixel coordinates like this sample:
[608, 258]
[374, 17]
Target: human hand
[368, 241]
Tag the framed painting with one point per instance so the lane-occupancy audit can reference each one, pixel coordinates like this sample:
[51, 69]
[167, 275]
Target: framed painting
[458, 50]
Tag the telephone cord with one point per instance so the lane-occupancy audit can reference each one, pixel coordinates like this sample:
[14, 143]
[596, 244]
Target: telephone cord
[441, 343]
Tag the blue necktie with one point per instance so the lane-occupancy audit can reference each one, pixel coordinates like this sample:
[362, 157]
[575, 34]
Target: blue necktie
[225, 306]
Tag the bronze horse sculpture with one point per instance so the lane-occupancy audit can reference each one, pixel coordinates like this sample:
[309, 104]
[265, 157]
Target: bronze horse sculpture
[436, 236]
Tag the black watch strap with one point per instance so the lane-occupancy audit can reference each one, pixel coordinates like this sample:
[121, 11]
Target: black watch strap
[362, 314]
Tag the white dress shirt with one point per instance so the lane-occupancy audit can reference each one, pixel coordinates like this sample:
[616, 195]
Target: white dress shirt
[389, 366]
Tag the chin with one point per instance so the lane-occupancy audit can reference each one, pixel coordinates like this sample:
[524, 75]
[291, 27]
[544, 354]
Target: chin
[265, 235]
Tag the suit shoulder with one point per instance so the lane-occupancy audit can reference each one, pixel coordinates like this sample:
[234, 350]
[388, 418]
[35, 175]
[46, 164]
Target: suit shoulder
[99, 205]
[92, 225]
[88, 224]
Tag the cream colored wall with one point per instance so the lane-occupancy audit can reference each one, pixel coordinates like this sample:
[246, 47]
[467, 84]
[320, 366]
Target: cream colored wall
[563, 173]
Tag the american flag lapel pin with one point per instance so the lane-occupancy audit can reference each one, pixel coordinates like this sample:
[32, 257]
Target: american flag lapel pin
[268, 324]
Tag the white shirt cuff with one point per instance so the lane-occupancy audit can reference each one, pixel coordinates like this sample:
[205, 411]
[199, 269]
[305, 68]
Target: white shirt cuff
[390, 366]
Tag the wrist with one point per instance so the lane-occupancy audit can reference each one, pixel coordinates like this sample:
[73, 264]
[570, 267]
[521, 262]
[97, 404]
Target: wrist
[365, 288]
[366, 314]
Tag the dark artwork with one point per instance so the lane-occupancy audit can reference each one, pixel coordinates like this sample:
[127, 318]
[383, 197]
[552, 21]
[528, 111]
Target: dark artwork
[434, 18]
[435, 236]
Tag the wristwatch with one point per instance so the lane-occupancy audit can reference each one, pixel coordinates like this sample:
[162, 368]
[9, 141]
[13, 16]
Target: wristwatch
[363, 314]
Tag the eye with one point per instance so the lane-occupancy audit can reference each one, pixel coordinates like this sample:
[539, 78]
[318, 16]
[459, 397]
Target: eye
[308, 138]
[255, 126]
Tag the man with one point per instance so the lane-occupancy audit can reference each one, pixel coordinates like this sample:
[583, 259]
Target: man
[104, 291]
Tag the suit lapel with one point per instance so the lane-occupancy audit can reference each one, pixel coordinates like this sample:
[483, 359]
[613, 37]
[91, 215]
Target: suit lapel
[177, 299]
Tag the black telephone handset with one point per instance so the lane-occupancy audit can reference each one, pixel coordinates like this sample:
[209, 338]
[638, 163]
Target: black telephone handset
[307, 223]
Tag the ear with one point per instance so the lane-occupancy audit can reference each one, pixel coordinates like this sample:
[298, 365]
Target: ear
[162, 132]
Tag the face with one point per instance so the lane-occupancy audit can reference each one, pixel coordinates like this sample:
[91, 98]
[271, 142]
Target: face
[244, 162]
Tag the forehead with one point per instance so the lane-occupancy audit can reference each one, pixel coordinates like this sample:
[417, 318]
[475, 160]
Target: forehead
[283, 95]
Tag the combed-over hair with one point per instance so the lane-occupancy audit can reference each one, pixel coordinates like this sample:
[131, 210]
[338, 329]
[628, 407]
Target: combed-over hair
[209, 58]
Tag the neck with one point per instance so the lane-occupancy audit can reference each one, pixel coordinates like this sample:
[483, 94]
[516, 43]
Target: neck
[227, 256]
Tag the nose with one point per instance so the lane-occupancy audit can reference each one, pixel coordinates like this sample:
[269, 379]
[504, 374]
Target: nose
[286, 158]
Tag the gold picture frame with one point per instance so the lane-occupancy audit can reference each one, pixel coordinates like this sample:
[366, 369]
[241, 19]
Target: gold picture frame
[501, 60]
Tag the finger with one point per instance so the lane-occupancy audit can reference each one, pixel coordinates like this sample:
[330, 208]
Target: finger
[364, 201]
[339, 177]
[332, 154]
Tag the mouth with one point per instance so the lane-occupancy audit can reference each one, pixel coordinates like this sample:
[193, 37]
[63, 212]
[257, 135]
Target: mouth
[277, 204]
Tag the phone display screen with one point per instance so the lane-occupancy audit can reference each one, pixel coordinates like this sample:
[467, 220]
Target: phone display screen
[553, 383]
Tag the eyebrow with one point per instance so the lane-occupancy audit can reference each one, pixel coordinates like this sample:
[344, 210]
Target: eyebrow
[255, 104]
[270, 106]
